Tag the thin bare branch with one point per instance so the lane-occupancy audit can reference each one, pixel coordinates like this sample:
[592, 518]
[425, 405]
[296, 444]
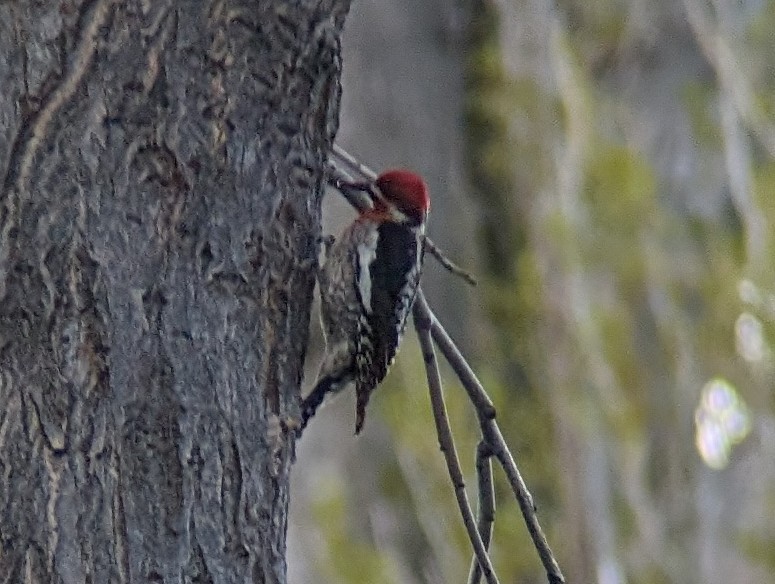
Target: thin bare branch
[476, 393]
[447, 445]
[450, 266]
[486, 507]
[501, 451]
[354, 165]
[492, 435]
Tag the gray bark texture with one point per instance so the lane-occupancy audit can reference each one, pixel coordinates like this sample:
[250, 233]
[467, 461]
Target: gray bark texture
[162, 165]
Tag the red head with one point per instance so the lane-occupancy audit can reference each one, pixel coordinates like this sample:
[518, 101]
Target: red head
[405, 192]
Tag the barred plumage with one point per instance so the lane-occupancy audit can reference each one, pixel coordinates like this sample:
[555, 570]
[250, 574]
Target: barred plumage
[367, 288]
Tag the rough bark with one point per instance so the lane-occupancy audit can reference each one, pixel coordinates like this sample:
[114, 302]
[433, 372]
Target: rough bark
[161, 167]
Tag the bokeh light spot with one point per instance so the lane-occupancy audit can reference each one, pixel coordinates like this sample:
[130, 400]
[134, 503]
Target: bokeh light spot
[721, 420]
[748, 292]
[749, 337]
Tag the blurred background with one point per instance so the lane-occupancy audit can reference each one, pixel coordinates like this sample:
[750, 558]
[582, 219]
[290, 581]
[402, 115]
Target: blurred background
[605, 168]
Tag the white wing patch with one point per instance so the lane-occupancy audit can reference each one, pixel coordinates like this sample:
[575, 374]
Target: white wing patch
[366, 254]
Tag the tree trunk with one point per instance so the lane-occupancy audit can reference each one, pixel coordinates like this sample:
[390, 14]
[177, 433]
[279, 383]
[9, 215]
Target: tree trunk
[163, 164]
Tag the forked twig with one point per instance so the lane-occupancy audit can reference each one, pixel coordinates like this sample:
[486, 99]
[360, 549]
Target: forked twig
[430, 330]
[486, 506]
[492, 435]
[447, 444]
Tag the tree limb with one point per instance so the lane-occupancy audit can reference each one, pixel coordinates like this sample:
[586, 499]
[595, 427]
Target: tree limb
[486, 506]
[492, 435]
[447, 444]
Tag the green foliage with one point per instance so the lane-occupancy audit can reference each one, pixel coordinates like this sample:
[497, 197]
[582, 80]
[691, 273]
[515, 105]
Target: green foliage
[652, 270]
[620, 192]
[652, 573]
[509, 125]
[764, 197]
[625, 416]
[620, 188]
[759, 548]
[504, 153]
[699, 101]
[348, 559]
[598, 28]
[759, 36]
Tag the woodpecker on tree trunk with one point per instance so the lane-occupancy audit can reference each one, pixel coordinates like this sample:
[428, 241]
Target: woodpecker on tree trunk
[367, 288]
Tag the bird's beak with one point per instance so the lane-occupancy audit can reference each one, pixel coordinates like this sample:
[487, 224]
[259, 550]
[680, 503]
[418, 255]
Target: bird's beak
[362, 192]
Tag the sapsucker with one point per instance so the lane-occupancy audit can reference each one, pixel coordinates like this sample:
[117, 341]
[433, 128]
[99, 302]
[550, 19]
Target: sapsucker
[367, 288]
